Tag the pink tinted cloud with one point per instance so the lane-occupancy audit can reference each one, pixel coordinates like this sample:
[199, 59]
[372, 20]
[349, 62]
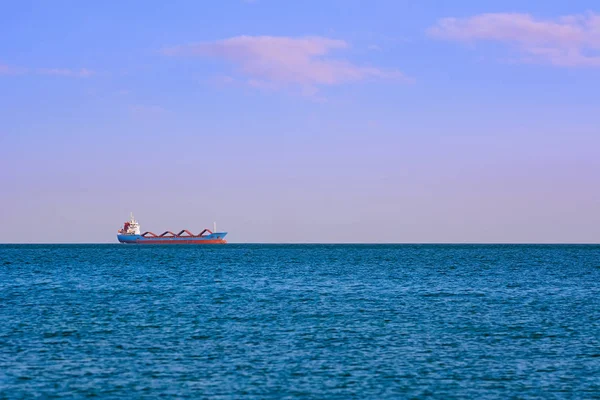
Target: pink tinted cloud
[5, 69]
[572, 40]
[9, 70]
[143, 110]
[281, 61]
[78, 73]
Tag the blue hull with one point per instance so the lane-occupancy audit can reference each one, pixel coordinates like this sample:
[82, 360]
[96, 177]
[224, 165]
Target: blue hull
[213, 238]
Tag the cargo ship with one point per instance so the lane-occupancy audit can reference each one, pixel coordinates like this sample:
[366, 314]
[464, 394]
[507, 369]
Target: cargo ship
[130, 233]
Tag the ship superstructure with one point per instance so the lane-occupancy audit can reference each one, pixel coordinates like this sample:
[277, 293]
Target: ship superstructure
[130, 233]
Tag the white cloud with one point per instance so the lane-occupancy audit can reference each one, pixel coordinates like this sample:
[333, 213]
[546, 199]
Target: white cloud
[572, 40]
[283, 61]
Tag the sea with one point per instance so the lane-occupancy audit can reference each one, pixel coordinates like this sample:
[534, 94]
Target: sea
[300, 321]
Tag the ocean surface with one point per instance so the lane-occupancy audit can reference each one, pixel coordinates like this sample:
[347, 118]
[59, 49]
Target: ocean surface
[300, 321]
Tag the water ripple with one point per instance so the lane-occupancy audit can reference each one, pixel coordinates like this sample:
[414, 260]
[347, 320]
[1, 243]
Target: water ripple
[300, 321]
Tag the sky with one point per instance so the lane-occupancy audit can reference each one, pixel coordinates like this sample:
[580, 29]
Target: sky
[329, 121]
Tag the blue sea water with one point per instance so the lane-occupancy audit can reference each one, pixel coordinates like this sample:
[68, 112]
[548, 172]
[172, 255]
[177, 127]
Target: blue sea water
[300, 321]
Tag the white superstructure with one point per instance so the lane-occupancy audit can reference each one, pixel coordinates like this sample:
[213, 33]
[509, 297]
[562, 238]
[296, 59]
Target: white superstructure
[131, 227]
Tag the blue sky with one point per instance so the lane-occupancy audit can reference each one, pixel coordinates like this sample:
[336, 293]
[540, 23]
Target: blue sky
[312, 121]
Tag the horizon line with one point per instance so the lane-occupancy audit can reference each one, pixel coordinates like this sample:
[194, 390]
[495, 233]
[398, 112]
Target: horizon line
[313, 243]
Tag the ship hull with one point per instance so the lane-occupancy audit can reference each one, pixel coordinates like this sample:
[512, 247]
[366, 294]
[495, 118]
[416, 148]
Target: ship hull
[215, 238]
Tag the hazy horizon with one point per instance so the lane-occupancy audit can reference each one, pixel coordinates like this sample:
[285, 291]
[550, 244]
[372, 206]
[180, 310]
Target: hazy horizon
[302, 122]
